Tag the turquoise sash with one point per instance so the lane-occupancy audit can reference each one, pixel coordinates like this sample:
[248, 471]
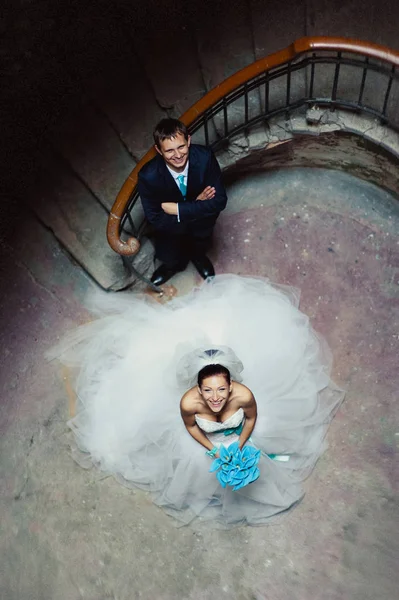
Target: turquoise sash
[236, 430]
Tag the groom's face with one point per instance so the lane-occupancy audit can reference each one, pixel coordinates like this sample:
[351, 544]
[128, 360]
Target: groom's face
[175, 151]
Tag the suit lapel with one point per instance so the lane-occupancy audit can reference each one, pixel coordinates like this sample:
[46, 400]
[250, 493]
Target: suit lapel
[168, 183]
[194, 176]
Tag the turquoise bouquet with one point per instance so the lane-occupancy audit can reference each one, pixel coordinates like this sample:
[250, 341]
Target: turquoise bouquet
[236, 468]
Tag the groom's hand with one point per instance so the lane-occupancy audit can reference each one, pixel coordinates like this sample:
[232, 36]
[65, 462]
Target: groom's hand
[169, 207]
[207, 194]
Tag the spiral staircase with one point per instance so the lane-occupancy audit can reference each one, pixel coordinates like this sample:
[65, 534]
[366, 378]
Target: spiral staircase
[92, 81]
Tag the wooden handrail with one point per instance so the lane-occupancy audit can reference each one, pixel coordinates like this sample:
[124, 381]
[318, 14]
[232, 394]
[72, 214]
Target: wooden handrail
[305, 44]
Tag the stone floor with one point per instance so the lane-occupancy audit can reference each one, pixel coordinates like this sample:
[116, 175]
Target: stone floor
[68, 533]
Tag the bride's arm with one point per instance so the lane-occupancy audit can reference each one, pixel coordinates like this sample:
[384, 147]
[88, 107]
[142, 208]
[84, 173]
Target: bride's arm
[250, 411]
[188, 416]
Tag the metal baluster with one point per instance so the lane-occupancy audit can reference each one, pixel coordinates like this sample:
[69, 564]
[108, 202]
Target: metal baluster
[362, 85]
[246, 103]
[287, 98]
[206, 129]
[388, 90]
[267, 90]
[132, 270]
[312, 71]
[226, 123]
[335, 83]
[132, 225]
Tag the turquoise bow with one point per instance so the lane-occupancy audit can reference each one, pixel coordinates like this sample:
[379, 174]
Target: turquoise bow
[236, 430]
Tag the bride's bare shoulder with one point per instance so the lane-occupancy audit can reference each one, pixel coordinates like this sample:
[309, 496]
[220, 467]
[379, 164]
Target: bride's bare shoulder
[242, 392]
[190, 401]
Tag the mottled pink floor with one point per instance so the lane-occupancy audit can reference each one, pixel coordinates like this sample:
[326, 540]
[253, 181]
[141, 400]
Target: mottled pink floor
[70, 533]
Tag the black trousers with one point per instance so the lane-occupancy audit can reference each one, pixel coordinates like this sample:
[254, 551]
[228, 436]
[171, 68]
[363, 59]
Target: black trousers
[175, 251]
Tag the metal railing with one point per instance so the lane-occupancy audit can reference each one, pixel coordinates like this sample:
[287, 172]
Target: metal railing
[332, 72]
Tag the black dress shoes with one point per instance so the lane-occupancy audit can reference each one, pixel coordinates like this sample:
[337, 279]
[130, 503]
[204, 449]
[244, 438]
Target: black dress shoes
[163, 273]
[204, 266]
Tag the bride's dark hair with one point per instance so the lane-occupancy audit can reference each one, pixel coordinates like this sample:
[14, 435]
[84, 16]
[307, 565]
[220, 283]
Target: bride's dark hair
[211, 370]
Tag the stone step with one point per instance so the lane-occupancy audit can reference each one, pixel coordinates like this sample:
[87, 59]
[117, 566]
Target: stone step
[224, 40]
[67, 207]
[94, 150]
[126, 97]
[42, 295]
[101, 131]
[168, 53]
[276, 25]
[377, 23]
[116, 82]
[34, 249]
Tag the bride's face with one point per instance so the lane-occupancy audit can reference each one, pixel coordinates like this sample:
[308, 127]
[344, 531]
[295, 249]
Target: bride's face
[215, 391]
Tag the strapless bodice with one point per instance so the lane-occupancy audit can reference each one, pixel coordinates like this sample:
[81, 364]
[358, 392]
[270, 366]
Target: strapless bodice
[213, 426]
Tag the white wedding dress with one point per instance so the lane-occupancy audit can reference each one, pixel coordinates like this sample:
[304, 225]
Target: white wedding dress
[128, 421]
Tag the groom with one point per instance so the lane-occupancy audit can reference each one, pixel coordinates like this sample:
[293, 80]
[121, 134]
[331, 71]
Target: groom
[182, 194]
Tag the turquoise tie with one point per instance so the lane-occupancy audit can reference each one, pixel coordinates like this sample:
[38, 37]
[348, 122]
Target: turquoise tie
[182, 185]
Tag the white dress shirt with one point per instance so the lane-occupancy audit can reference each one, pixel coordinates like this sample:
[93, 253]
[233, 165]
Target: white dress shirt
[175, 176]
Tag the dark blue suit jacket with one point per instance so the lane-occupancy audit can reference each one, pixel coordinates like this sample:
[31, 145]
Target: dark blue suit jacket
[156, 185]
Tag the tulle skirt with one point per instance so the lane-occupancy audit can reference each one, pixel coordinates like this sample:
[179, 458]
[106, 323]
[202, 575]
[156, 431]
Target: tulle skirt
[128, 422]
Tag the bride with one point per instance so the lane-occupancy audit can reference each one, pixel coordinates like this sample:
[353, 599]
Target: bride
[140, 357]
[214, 403]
